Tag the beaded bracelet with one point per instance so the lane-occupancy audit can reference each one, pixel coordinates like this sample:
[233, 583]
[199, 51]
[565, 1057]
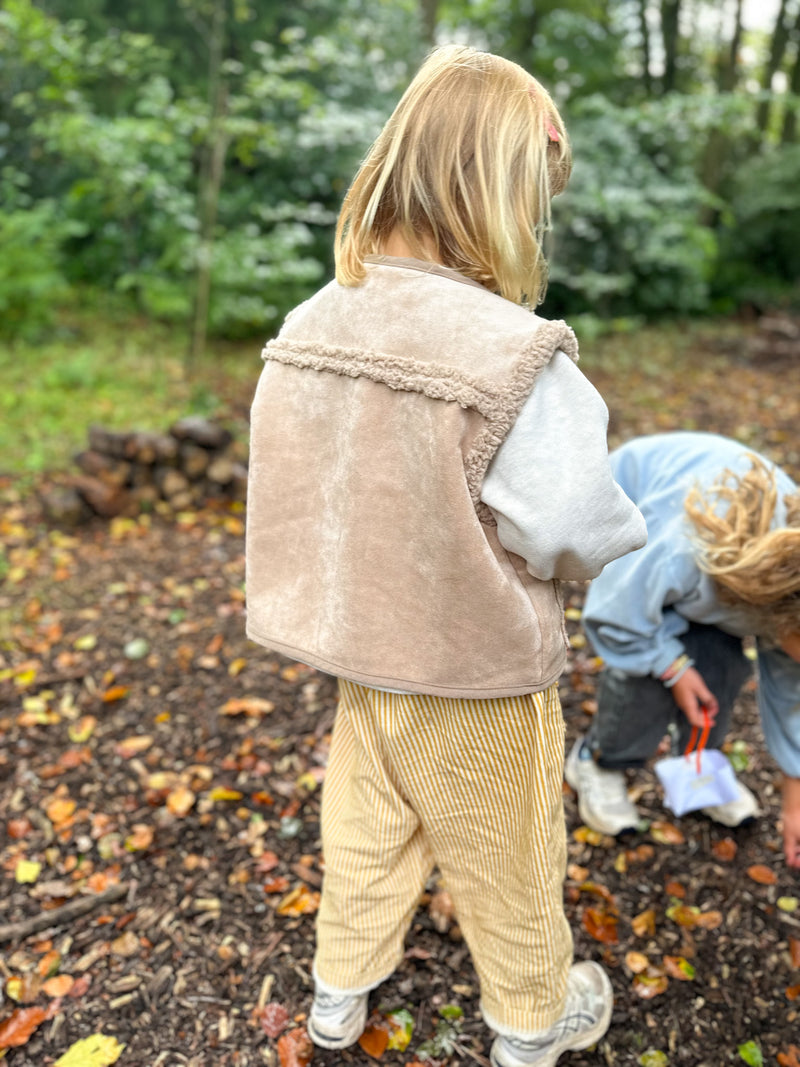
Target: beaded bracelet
[676, 670]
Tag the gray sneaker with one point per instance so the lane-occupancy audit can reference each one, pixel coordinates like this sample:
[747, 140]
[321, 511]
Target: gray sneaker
[603, 802]
[337, 1020]
[586, 1015]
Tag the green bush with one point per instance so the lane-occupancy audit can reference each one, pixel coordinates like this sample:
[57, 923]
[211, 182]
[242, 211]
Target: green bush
[32, 282]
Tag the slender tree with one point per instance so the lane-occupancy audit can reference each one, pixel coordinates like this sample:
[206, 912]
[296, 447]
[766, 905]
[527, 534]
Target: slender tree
[777, 50]
[670, 33]
[644, 30]
[789, 131]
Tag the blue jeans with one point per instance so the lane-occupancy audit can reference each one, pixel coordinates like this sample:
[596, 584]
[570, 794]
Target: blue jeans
[635, 712]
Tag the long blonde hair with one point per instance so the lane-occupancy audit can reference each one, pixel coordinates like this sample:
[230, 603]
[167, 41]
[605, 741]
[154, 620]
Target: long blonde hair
[467, 163]
[752, 565]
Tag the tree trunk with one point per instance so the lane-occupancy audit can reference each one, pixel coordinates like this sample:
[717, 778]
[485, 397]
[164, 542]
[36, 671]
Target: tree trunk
[645, 34]
[670, 32]
[777, 50]
[212, 166]
[789, 131]
[718, 146]
[429, 10]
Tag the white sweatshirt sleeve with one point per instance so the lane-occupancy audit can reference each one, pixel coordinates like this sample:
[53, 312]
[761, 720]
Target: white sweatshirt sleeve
[550, 485]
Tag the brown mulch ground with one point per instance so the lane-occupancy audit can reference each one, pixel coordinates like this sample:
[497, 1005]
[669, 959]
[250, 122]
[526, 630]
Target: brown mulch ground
[145, 744]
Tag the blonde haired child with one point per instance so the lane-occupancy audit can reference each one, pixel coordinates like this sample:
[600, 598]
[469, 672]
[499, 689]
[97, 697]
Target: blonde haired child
[722, 562]
[427, 462]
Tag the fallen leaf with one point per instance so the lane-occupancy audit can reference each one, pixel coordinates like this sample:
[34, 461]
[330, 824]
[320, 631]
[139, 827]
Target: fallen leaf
[762, 874]
[647, 987]
[636, 962]
[644, 924]
[725, 849]
[273, 1019]
[278, 884]
[140, 839]
[375, 1039]
[98, 1050]
[675, 889]
[794, 951]
[59, 985]
[787, 904]
[114, 692]
[666, 833]
[132, 746]
[60, 810]
[601, 925]
[653, 1058]
[221, 792]
[678, 967]
[790, 1058]
[301, 901]
[255, 706]
[793, 992]
[751, 1053]
[27, 871]
[49, 963]
[16, 1030]
[180, 801]
[295, 1049]
[82, 730]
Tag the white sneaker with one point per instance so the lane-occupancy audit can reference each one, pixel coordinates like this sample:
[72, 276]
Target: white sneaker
[603, 802]
[736, 811]
[337, 1020]
[586, 1015]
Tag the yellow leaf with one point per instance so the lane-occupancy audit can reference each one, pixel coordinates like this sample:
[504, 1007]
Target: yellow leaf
[83, 729]
[573, 614]
[27, 871]
[221, 793]
[85, 643]
[95, 1051]
[236, 666]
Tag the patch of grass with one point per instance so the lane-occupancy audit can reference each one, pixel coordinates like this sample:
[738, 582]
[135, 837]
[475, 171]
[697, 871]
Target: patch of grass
[116, 370]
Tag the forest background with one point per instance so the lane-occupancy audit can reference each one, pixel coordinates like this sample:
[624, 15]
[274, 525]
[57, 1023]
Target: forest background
[182, 164]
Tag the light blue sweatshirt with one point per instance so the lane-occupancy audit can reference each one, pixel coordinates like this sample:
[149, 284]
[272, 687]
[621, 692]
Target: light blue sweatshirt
[639, 607]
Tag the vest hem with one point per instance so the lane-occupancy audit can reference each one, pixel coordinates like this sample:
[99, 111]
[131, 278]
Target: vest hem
[405, 685]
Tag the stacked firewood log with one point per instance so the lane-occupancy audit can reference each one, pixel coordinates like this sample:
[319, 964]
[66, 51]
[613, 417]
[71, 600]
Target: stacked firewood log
[127, 473]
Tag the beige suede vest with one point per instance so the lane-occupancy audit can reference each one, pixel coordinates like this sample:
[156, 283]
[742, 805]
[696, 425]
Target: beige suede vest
[369, 552]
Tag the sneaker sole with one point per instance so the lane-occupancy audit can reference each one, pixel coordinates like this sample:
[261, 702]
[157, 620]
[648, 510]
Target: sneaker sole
[323, 1040]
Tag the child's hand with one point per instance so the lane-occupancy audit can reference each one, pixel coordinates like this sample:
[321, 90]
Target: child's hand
[791, 821]
[693, 696]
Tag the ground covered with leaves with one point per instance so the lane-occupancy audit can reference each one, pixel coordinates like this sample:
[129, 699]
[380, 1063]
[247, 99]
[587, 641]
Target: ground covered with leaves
[160, 859]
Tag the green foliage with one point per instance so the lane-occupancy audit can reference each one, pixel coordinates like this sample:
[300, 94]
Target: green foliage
[760, 236]
[628, 237]
[111, 115]
[31, 278]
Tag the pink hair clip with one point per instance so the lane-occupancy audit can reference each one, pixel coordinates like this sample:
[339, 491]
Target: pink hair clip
[552, 133]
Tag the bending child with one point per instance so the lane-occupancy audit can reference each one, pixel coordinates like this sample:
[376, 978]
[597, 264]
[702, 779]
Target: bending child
[722, 562]
[427, 462]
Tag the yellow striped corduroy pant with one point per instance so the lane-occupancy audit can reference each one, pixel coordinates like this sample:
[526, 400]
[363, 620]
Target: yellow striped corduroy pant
[473, 787]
